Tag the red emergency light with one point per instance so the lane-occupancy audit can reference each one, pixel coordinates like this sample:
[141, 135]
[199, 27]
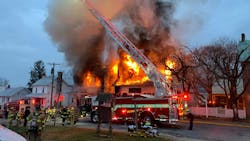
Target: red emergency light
[21, 102]
[149, 109]
[33, 101]
[124, 111]
[186, 96]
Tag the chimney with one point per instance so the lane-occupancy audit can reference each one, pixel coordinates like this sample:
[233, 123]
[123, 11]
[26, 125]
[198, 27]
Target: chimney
[242, 37]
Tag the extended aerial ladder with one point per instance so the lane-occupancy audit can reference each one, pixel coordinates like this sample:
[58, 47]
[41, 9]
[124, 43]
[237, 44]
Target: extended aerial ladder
[160, 83]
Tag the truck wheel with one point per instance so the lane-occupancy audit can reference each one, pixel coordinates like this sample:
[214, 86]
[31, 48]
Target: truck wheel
[94, 117]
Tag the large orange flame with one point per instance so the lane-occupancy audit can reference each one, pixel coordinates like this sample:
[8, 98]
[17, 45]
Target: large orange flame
[132, 64]
[91, 81]
[168, 74]
[127, 72]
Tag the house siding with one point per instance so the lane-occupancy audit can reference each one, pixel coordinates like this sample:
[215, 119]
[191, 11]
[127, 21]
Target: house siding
[46, 90]
[246, 95]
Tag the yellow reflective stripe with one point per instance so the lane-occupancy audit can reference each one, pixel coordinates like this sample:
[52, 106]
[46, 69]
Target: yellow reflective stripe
[141, 106]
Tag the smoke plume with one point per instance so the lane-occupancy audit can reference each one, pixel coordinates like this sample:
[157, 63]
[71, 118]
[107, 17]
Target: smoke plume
[87, 46]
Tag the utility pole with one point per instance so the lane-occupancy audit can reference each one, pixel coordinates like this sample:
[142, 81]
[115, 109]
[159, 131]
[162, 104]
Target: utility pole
[52, 81]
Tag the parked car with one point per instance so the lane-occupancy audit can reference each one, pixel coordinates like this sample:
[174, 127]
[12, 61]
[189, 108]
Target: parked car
[9, 135]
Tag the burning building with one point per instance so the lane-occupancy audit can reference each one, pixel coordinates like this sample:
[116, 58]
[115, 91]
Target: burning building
[97, 61]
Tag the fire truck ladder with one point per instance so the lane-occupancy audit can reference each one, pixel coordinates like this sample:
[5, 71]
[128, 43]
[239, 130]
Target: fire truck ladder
[162, 88]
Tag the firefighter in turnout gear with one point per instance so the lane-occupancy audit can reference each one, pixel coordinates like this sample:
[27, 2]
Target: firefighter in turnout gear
[51, 113]
[20, 116]
[64, 115]
[43, 117]
[35, 124]
[72, 115]
[11, 116]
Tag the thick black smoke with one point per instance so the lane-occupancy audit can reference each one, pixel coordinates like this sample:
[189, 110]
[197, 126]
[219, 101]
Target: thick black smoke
[83, 40]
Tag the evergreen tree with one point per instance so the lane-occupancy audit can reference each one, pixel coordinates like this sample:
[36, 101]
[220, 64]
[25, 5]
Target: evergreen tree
[37, 72]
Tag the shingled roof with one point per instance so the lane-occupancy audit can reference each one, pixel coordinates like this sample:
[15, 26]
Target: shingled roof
[45, 81]
[12, 91]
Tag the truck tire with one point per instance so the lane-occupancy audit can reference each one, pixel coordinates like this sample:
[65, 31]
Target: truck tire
[94, 117]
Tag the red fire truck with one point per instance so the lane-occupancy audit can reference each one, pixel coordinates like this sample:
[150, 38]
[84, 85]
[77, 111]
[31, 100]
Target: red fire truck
[158, 108]
[140, 109]
[127, 109]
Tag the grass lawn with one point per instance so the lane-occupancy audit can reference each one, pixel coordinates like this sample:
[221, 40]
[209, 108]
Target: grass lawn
[80, 134]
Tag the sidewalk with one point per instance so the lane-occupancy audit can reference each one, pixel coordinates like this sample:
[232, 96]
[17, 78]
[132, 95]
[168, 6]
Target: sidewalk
[220, 122]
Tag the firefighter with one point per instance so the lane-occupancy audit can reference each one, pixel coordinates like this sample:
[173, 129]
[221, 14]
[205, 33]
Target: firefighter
[43, 117]
[35, 127]
[53, 112]
[73, 115]
[49, 114]
[20, 116]
[191, 119]
[11, 116]
[64, 115]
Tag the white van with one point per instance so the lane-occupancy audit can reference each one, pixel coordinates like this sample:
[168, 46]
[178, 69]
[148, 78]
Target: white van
[9, 135]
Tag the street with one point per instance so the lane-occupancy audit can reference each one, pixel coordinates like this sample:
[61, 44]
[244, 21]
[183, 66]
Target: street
[201, 131]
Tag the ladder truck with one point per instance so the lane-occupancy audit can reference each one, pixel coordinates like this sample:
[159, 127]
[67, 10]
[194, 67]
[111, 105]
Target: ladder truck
[162, 89]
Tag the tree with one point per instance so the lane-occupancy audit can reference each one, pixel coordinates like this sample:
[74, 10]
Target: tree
[37, 72]
[182, 70]
[203, 75]
[222, 58]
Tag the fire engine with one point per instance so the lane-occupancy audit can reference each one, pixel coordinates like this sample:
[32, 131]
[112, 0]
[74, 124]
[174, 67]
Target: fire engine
[154, 110]
[157, 108]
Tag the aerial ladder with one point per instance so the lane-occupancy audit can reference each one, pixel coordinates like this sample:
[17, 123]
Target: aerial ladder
[162, 88]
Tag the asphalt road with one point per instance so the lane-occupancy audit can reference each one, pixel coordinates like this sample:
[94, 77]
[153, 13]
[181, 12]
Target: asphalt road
[202, 130]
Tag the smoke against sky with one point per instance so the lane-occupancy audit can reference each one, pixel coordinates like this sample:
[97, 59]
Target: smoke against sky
[23, 39]
[146, 23]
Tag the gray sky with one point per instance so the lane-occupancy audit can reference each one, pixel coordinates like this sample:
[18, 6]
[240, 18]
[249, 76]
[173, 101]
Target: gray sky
[23, 39]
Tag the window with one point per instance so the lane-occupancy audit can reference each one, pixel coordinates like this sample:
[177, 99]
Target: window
[134, 90]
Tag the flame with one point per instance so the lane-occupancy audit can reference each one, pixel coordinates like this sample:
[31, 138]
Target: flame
[167, 72]
[132, 64]
[91, 81]
[125, 72]
[115, 69]
[131, 73]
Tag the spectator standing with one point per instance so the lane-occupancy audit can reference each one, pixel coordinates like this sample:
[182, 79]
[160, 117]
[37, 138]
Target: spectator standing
[191, 119]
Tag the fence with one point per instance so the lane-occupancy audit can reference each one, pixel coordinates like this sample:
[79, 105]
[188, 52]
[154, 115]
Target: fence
[217, 112]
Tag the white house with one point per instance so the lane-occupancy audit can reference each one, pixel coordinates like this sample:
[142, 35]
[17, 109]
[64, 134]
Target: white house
[12, 94]
[43, 94]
